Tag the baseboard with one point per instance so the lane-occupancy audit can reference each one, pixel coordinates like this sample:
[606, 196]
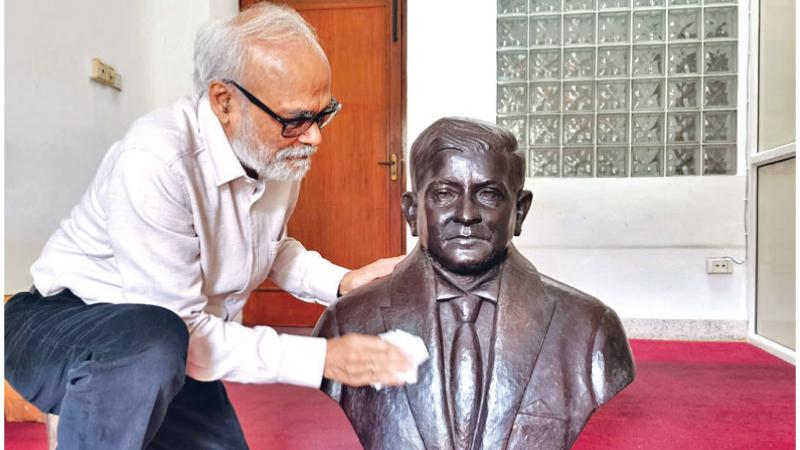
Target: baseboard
[686, 329]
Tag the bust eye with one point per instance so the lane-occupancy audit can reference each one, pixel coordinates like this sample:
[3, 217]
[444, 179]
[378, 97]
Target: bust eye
[442, 195]
[490, 196]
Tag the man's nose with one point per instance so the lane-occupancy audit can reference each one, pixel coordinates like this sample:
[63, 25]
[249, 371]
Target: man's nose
[312, 136]
[467, 212]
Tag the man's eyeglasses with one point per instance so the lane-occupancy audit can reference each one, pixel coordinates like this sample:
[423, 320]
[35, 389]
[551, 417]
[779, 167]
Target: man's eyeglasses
[297, 125]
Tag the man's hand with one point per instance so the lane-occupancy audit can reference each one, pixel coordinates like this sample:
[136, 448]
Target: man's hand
[359, 277]
[358, 360]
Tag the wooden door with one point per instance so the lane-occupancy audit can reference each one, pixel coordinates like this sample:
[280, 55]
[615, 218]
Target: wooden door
[349, 207]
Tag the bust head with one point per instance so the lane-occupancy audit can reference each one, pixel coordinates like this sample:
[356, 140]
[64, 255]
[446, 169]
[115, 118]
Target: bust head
[467, 199]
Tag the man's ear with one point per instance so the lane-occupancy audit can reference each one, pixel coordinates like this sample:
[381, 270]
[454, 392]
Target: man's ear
[524, 200]
[220, 96]
[408, 203]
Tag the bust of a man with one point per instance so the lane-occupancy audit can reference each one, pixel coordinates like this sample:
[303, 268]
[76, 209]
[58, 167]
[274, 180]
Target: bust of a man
[517, 360]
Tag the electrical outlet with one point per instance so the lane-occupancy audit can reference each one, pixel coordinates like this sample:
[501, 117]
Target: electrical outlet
[105, 74]
[719, 265]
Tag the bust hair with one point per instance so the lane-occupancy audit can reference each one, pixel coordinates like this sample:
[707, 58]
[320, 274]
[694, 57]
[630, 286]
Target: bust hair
[220, 49]
[467, 135]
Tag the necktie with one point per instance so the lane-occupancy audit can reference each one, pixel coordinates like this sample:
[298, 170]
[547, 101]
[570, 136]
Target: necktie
[466, 373]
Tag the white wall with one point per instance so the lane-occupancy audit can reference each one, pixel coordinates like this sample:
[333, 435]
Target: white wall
[58, 122]
[639, 245]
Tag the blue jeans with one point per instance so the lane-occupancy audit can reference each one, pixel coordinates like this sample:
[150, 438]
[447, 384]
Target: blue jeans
[115, 375]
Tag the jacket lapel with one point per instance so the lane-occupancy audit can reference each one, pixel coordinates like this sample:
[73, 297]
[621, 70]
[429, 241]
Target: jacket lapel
[524, 312]
[413, 309]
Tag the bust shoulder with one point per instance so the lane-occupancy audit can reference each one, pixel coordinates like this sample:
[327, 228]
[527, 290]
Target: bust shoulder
[572, 301]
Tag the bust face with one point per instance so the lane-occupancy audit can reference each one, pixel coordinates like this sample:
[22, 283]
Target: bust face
[466, 209]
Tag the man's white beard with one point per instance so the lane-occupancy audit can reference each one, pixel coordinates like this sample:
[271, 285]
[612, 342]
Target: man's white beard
[270, 165]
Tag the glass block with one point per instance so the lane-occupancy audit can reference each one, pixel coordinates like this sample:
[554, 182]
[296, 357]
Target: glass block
[579, 29]
[647, 3]
[684, 93]
[646, 161]
[545, 30]
[544, 162]
[512, 98]
[612, 162]
[647, 128]
[544, 130]
[579, 96]
[720, 92]
[683, 127]
[512, 32]
[684, 24]
[612, 27]
[719, 126]
[545, 6]
[545, 97]
[612, 96]
[578, 5]
[683, 2]
[648, 26]
[579, 63]
[648, 60]
[512, 66]
[719, 160]
[720, 22]
[512, 6]
[578, 130]
[683, 160]
[648, 95]
[720, 57]
[612, 62]
[578, 162]
[683, 58]
[608, 4]
[612, 128]
[545, 64]
[517, 125]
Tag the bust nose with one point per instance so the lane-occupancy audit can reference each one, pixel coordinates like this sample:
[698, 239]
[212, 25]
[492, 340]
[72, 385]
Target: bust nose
[466, 213]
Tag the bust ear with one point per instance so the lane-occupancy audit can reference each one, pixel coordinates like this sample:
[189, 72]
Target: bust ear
[408, 203]
[524, 200]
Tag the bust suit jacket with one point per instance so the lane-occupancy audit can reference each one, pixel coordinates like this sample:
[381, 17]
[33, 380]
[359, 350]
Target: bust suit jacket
[557, 355]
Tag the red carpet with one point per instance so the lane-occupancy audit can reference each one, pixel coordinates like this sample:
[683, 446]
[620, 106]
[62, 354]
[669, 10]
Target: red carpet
[687, 395]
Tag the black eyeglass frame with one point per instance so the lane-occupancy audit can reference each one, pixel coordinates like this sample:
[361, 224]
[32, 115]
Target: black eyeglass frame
[298, 125]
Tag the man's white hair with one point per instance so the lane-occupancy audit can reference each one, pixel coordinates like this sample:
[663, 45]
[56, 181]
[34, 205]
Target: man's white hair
[220, 50]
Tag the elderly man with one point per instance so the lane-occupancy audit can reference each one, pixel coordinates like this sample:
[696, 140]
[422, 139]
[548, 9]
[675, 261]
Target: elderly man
[131, 321]
[517, 360]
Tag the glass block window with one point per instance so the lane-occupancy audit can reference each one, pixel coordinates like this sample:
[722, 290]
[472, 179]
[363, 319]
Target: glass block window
[619, 88]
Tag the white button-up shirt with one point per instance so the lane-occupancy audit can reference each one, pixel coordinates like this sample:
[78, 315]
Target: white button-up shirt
[171, 219]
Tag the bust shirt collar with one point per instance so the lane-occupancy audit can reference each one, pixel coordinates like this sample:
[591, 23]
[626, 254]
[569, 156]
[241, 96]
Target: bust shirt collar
[226, 165]
[486, 286]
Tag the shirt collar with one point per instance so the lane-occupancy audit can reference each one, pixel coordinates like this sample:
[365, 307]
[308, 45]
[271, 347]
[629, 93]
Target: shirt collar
[486, 286]
[226, 165]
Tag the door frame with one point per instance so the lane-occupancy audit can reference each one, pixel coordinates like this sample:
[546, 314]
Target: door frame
[304, 315]
[756, 159]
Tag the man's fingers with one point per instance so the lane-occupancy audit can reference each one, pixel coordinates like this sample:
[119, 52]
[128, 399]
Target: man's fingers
[373, 270]
[359, 360]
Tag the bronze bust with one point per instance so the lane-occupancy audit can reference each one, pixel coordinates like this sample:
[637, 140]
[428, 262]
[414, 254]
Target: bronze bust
[518, 360]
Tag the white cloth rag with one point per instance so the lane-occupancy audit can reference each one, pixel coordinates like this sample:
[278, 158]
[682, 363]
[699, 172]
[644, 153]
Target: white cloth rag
[414, 349]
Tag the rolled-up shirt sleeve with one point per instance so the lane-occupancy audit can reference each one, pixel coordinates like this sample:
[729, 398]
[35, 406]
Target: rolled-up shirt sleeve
[157, 251]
